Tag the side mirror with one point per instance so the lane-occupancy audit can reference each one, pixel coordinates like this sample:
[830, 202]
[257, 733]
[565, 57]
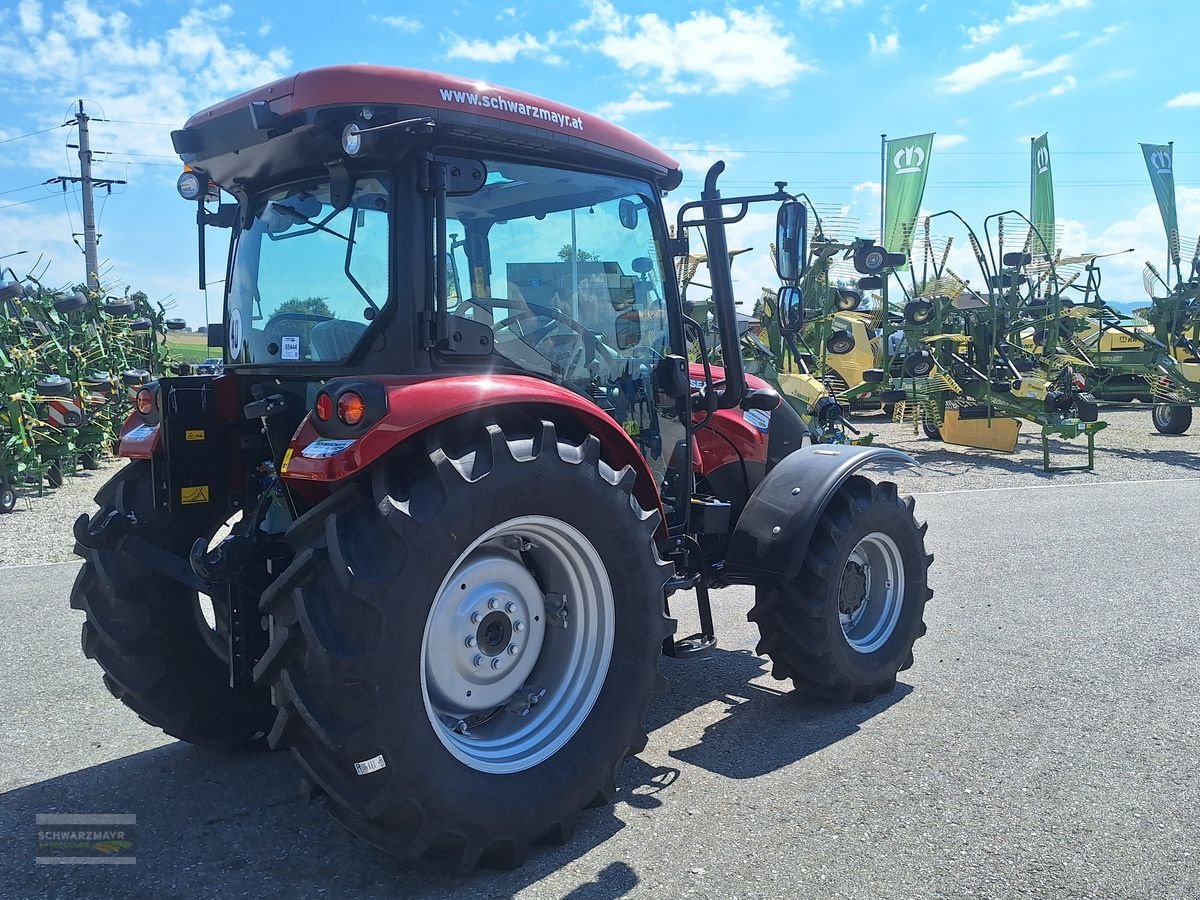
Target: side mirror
[671, 377]
[627, 212]
[216, 334]
[791, 309]
[791, 240]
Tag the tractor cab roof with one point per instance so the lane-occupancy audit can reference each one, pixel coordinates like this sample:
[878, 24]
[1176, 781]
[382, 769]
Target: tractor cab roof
[296, 123]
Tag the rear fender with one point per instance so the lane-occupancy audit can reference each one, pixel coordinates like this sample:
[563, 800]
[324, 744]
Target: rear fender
[774, 530]
[416, 404]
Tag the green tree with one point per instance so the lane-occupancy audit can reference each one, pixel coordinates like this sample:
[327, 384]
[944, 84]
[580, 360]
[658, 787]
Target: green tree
[313, 306]
[581, 255]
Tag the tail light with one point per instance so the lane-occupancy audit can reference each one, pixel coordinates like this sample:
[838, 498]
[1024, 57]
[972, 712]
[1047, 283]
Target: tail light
[351, 407]
[324, 407]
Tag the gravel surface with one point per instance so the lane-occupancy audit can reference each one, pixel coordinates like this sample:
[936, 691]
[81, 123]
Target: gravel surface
[39, 529]
[1044, 745]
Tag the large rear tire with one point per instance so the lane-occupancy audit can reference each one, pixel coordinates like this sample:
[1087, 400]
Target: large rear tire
[462, 659]
[846, 624]
[147, 632]
[1171, 419]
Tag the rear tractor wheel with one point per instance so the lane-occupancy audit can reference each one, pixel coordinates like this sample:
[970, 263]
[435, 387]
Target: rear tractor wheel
[1171, 419]
[148, 633]
[845, 625]
[462, 650]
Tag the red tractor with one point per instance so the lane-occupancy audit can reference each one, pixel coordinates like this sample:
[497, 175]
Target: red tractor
[423, 528]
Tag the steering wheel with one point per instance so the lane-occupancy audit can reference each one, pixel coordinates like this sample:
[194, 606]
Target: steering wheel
[591, 349]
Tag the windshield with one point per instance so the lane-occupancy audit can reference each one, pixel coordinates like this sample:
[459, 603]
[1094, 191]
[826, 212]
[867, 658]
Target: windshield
[566, 269]
[307, 278]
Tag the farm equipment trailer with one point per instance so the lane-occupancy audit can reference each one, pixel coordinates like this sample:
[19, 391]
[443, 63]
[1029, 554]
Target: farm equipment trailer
[461, 500]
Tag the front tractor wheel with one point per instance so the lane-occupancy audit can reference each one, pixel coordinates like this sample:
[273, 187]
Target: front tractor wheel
[845, 625]
[148, 633]
[462, 658]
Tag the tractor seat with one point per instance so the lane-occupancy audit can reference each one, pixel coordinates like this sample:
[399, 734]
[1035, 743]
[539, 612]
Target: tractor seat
[333, 340]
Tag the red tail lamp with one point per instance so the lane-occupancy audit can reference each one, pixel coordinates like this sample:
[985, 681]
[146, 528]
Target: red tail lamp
[324, 407]
[145, 401]
[351, 407]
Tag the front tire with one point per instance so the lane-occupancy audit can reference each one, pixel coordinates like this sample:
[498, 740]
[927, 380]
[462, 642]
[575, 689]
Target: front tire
[8, 497]
[462, 660]
[845, 625]
[148, 634]
[1171, 419]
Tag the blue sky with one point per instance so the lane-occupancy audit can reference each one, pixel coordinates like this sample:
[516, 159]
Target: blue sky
[797, 91]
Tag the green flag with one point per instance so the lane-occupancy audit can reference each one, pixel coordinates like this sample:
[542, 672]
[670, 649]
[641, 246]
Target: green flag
[1041, 197]
[906, 166]
[1160, 162]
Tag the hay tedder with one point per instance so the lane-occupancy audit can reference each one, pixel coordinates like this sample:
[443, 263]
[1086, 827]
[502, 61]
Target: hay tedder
[426, 539]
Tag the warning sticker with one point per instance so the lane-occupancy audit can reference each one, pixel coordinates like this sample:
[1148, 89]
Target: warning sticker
[759, 418]
[367, 766]
[287, 458]
[194, 434]
[323, 449]
[197, 494]
[291, 347]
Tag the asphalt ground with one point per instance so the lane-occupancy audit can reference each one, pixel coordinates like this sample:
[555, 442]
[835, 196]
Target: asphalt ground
[1044, 744]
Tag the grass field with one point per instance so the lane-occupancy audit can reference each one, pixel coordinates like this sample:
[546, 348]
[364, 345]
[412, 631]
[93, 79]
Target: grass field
[191, 348]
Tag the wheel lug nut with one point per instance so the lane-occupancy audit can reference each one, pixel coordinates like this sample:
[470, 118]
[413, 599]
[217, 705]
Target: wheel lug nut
[496, 663]
[518, 626]
[470, 641]
[510, 607]
[477, 661]
[493, 603]
[476, 618]
[512, 649]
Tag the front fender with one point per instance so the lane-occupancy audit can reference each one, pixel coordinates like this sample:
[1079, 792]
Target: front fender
[416, 404]
[774, 530]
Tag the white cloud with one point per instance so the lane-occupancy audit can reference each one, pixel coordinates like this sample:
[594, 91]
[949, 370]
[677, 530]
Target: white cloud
[981, 34]
[400, 23]
[1106, 34]
[1032, 12]
[826, 6]
[1022, 14]
[264, 29]
[973, 75]
[29, 14]
[946, 141]
[1067, 84]
[501, 51]
[1190, 98]
[635, 103]
[872, 188]
[888, 45]
[1055, 65]
[740, 49]
[509, 12]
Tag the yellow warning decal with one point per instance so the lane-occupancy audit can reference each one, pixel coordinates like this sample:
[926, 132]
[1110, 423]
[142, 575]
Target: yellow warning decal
[198, 494]
[287, 458]
[194, 434]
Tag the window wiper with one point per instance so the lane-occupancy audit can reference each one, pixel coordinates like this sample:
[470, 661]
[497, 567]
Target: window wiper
[297, 216]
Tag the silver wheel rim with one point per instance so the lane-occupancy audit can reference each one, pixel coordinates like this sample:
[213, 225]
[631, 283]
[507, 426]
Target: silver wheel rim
[871, 594]
[1162, 415]
[509, 671]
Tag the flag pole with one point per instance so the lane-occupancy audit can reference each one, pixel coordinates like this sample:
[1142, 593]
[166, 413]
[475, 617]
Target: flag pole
[1173, 240]
[882, 184]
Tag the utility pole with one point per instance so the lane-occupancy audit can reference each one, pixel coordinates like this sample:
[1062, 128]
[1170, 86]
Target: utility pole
[87, 184]
[89, 207]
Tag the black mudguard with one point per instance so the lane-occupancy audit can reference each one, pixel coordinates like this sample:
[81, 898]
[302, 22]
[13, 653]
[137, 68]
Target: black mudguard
[774, 529]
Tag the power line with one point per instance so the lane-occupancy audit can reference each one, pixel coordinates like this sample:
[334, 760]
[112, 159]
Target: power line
[23, 202]
[26, 188]
[31, 134]
[131, 122]
[875, 153]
